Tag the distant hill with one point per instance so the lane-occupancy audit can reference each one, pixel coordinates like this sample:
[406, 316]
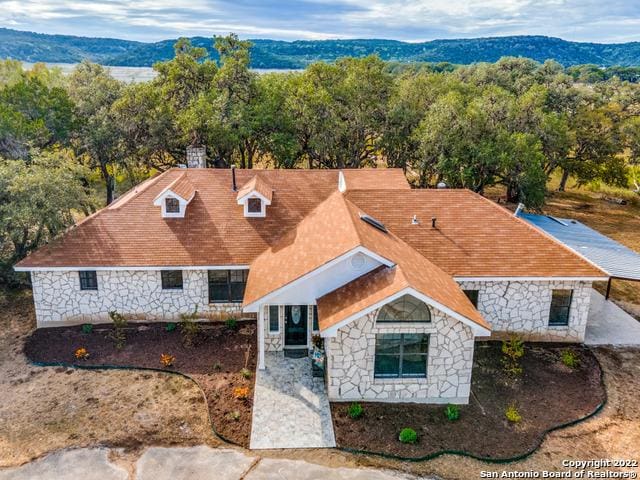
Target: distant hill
[36, 47]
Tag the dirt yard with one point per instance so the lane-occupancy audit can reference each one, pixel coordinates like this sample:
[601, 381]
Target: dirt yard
[45, 409]
[568, 394]
[215, 361]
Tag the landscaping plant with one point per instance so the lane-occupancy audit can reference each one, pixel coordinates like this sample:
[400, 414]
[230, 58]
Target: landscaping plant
[235, 415]
[82, 353]
[217, 366]
[171, 326]
[241, 393]
[119, 334]
[408, 435]
[231, 323]
[355, 410]
[167, 360]
[452, 412]
[246, 373]
[512, 351]
[570, 358]
[87, 328]
[189, 328]
[512, 413]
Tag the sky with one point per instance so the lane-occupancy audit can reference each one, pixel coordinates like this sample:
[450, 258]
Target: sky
[605, 21]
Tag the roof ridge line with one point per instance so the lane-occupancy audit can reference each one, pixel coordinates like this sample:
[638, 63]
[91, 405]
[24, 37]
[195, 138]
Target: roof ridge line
[537, 230]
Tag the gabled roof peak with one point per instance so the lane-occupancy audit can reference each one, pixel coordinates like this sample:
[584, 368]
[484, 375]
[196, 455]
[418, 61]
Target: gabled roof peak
[257, 185]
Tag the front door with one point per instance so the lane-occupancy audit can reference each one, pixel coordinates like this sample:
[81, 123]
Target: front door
[295, 325]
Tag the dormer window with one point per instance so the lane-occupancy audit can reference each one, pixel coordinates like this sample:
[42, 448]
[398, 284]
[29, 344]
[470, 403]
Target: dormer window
[255, 196]
[171, 205]
[254, 205]
[174, 199]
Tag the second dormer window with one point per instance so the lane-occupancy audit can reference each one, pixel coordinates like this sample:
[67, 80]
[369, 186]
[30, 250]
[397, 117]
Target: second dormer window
[254, 205]
[172, 205]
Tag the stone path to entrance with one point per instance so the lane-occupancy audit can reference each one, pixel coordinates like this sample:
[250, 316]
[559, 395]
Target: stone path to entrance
[290, 406]
[608, 324]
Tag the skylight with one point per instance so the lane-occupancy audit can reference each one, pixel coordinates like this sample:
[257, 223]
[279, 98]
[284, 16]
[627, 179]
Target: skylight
[373, 222]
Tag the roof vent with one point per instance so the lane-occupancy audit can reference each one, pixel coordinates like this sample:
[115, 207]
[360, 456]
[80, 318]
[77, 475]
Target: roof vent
[518, 210]
[373, 222]
[414, 220]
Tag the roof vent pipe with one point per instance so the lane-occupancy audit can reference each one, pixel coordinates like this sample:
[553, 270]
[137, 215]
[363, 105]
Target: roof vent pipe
[433, 222]
[414, 220]
[233, 178]
[518, 210]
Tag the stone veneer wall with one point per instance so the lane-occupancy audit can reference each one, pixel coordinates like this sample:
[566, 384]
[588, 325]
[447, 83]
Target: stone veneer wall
[351, 356]
[135, 293]
[523, 308]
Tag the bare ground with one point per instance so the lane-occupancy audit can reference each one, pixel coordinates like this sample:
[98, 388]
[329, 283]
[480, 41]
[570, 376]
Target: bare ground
[45, 409]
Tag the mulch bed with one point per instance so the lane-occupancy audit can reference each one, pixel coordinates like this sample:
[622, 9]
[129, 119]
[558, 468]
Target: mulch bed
[547, 394]
[214, 361]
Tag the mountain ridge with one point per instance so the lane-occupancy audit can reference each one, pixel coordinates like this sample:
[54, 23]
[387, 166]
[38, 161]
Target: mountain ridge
[281, 54]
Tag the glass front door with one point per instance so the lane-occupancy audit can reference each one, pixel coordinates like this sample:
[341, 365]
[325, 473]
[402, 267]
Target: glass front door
[296, 321]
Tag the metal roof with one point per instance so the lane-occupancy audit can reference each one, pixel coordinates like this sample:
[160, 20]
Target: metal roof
[611, 256]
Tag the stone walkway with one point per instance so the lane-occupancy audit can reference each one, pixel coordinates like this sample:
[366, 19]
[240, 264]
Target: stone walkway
[176, 463]
[608, 324]
[290, 407]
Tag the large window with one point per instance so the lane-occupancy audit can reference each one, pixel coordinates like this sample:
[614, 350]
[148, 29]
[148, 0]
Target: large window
[274, 319]
[472, 295]
[88, 280]
[171, 279]
[405, 309]
[560, 307]
[401, 355]
[227, 285]
[171, 205]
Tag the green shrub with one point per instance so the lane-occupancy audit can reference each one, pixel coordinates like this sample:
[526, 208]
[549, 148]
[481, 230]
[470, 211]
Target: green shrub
[217, 366]
[408, 435]
[235, 415]
[246, 373]
[512, 413]
[119, 335]
[512, 351]
[87, 328]
[231, 323]
[355, 410]
[452, 412]
[189, 328]
[570, 358]
[170, 327]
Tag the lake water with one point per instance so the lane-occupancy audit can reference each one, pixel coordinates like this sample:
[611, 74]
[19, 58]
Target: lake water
[133, 74]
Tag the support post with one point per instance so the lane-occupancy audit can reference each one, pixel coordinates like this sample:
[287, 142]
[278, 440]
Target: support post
[261, 364]
[606, 297]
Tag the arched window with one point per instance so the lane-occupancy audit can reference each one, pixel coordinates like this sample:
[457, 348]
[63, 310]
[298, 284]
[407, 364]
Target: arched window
[405, 309]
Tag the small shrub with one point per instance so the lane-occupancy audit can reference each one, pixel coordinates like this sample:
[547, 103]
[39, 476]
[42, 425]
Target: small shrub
[87, 328]
[512, 414]
[189, 328]
[235, 415]
[217, 366]
[119, 334]
[170, 327]
[246, 373]
[355, 410]
[231, 323]
[82, 353]
[241, 393]
[167, 360]
[452, 412]
[512, 351]
[408, 435]
[570, 358]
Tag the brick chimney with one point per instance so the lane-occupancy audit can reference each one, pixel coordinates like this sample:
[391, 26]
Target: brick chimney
[196, 156]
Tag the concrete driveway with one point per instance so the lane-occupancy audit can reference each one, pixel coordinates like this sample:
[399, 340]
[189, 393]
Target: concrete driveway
[608, 324]
[191, 463]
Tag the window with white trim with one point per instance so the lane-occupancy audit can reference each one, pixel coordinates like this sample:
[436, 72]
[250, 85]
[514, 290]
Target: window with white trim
[401, 355]
[171, 205]
[405, 309]
[274, 318]
[254, 205]
[560, 308]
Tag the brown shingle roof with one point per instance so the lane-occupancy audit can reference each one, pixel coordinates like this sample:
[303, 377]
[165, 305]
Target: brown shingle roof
[474, 237]
[367, 179]
[256, 184]
[183, 187]
[334, 228]
[131, 231]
